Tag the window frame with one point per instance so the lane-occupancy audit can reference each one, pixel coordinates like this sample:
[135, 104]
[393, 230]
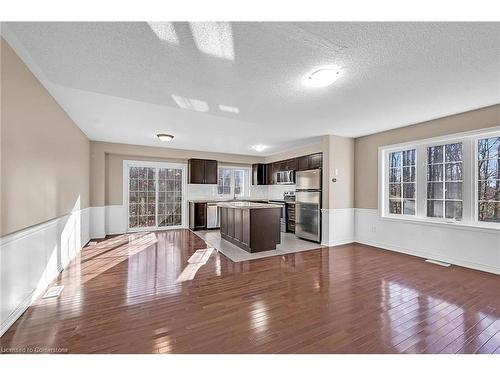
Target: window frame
[470, 178]
[466, 174]
[476, 180]
[387, 177]
[126, 193]
[246, 181]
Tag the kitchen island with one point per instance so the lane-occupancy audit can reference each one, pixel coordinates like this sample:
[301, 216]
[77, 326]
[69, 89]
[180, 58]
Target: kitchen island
[251, 226]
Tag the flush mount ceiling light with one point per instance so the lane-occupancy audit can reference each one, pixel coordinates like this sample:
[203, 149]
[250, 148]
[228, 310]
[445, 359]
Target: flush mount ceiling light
[323, 77]
[165, 137]
[259, 148]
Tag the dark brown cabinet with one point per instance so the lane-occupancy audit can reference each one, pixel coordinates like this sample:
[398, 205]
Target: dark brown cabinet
[251, 229]
[269, 174]
[313, 161]
[316, 161]
[259, 174]
[303, 163]
[197, 215]
[291, 165]
[202, 171]
[266, 174]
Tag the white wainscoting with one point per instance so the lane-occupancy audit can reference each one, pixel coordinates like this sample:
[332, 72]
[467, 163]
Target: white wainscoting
[32, 258]
[97, 222]
[116, 219]
[470, 247]
[337, 226]
[107, 220]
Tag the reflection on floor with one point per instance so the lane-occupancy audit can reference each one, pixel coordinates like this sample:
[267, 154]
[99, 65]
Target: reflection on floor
[289, 244]
[168, 292]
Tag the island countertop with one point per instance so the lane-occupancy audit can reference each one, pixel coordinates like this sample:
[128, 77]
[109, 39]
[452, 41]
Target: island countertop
[247, 205]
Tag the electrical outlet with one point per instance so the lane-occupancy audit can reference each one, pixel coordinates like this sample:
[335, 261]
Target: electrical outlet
[374, 229]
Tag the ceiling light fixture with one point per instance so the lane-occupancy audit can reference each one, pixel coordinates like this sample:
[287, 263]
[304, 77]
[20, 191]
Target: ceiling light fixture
[259, 148]
[165, 137]
[323, 77]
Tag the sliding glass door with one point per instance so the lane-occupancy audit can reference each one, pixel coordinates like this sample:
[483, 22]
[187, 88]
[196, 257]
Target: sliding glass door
[169, 197]
[155, 197]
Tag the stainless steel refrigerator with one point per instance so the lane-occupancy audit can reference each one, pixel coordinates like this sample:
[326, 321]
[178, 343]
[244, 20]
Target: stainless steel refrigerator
[308, 204]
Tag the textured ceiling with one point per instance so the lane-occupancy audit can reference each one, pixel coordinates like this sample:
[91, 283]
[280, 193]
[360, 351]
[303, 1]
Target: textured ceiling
[125, 82]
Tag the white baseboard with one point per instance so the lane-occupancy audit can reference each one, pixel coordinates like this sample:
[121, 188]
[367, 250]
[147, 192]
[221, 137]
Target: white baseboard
[337, 226]
[32, 258]
[476, 249]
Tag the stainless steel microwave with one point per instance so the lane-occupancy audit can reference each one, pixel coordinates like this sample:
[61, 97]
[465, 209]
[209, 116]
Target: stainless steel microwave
[285, 178]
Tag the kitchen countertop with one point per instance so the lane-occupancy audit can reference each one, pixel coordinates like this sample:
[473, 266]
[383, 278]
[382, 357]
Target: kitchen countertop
[246, 205]
[225, 200]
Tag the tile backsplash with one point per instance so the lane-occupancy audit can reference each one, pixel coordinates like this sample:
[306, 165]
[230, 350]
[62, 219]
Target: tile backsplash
[276, 191]
[209, 192]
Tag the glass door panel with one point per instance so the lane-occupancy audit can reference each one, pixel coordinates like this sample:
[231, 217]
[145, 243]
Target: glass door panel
[169, 197]
[142, 197]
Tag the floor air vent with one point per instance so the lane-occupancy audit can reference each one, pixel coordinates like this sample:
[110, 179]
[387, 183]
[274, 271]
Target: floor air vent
[444, 264]
[55, 291]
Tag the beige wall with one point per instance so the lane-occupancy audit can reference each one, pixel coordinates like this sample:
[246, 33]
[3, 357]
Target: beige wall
[44, 155]
[106, 182]
[106, 177]
[366, 148]
[341, 192]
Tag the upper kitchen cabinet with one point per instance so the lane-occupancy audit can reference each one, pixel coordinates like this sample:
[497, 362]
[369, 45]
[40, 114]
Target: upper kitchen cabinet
[259, 174]
[313, 161]
[316, 160]
[269, 174]
[211, 172]
[291, 164]
[202, 171]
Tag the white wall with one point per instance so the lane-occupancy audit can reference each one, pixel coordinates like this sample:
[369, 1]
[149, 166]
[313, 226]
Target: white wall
[32, 258]
[471, 247]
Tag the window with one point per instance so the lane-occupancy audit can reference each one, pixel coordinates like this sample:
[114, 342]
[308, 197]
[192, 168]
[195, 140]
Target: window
[444, 181]
[154, 195]
[224, 181]
[402, 186]
[450, 179]
[233, 181]
[488, 157]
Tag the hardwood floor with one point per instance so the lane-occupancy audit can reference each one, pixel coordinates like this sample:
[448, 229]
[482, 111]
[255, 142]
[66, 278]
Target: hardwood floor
[161, 292]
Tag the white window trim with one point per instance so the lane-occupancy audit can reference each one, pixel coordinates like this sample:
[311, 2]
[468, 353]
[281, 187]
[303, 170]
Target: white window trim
[246, 184]
[126, 186]
[386, 180]
[469, 186]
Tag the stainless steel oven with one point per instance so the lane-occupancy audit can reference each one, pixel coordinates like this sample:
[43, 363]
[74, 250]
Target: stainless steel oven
[285, 178]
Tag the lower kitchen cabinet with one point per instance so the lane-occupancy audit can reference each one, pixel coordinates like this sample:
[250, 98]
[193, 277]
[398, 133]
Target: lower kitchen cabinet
[251, 229]
[197, 215]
